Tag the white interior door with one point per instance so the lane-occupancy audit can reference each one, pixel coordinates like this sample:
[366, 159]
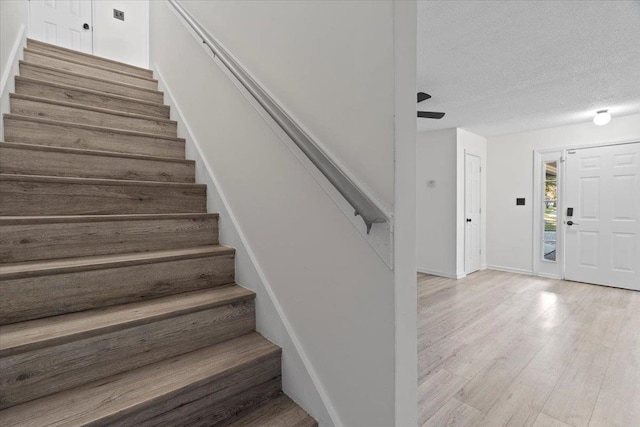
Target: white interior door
[472, 206]
[65, 23]
[602, 237]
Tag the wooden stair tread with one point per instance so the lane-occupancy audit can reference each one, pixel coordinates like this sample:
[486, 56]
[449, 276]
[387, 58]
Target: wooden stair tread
[91, 127]
[36, 147]
[80, 89]
[53, 47]
[89, 108]
[62, 90]
[66, 265]
[30, 335]
[279, 411]
[54, 219]
[93, 181]
[46, 67]
[117, 396]
[97, 67]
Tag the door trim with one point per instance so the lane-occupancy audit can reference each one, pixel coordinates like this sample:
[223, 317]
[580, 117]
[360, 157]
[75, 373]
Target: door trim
[541, 267]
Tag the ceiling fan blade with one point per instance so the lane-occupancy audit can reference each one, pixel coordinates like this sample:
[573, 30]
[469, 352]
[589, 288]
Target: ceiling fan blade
[430, 115]
[423, 96]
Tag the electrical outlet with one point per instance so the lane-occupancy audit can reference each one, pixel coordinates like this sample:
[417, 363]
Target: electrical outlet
[118, 14]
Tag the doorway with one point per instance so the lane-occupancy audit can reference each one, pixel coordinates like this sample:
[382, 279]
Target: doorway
[65, 23]
[602, 218]
[473, 212]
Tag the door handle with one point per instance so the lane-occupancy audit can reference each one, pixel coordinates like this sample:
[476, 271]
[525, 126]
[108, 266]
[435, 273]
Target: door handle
[572, 223]
[468, 219]
[86, 26]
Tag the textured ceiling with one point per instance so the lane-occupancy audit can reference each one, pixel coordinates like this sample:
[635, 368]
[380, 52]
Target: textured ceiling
[498, 67]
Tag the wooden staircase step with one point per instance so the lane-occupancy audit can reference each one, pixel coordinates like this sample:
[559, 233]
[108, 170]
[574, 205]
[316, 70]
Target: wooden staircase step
[71, 265]
[53, 61]
[201, 385]
[32, 290]
[278, 411]
[41, 333]
[76, 113]
[62, 52]
[31, 159]
[36, 358]
[48, 237]
[53, 133]
[56, 75]
[25, 195]
[60, 92]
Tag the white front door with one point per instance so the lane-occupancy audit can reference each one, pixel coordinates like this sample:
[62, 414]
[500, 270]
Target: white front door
[602, 238]
[65, 23]
[472, 206]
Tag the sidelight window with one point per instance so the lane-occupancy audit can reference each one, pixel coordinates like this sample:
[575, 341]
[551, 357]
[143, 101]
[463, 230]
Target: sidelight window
[550, 214]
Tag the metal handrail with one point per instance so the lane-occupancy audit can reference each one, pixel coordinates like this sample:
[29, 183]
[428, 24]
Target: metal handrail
[363, 206]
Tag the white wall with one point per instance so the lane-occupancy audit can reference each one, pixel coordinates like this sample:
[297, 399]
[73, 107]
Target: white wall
[344, 109]
[436, 219]
[510, 175]
[14, 21]
[125, 41]
[406, 292]
[335, 296]
[474, 144]
[440, 160]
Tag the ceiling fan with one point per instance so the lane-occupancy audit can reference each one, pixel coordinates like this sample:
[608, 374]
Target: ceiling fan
[427, 114]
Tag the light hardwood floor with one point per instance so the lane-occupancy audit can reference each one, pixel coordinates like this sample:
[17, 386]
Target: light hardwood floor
[502, 349]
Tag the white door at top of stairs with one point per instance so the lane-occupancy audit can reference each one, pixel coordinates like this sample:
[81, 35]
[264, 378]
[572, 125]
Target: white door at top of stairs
[65, 23]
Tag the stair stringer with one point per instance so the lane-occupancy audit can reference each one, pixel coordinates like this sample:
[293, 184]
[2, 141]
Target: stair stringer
[299, 380]
[7, 82]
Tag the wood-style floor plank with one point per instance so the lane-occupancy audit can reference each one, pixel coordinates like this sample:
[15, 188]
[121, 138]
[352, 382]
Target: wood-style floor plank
[545, 420]
[454, 414]
[527, 351]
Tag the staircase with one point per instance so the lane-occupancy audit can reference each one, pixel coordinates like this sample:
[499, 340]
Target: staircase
[117, 303]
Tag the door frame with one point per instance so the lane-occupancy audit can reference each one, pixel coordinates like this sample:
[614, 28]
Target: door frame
[542, 267]
[464, 211]
[540, 156]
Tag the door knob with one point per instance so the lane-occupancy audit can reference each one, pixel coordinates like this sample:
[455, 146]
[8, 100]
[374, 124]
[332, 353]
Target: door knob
[468, 219]
[86, 26]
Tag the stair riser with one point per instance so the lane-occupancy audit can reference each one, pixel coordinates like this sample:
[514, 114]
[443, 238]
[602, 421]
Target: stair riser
[72, 67]
[64, 164]
[29, 132]
[42, 90]
[89, 82]
[92, 60]
[27, 107]
[38, 373]
[44, 296]
[33, 242]
[25, 198]
[210, 403]
[203, 413]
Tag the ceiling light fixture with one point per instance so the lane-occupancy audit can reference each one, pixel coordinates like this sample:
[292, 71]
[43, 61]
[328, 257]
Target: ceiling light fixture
[602, 118]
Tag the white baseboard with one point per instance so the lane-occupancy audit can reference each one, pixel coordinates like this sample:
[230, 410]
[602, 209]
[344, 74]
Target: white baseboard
[243, 247]
[7, 83]
[510, 269]
[547, 275]
[440, 273]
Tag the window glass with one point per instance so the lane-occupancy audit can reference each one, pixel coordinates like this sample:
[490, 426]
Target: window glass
[550, 214]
